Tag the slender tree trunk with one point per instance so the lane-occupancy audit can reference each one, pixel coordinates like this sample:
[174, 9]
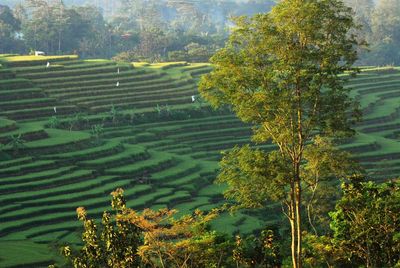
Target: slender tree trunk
[298, 222]
[293, 246]
[292, 220]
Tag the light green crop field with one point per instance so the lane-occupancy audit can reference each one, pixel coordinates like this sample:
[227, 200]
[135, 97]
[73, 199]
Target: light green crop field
[155, 143]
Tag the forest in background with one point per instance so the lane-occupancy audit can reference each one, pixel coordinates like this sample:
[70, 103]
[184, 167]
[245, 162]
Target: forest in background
[169, 30]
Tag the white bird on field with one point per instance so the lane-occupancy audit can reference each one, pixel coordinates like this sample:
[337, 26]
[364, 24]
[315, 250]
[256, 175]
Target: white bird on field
[48, 64]
[118, 70]
[117, 84]
[193, 98]
[55, 109]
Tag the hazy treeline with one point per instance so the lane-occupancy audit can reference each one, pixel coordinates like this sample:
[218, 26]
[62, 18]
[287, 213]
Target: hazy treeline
[141, 29]
[380, 22]
[165, 30]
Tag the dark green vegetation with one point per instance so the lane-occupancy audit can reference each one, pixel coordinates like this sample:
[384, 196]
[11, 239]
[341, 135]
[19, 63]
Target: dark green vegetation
[365, 229]
[155, 143]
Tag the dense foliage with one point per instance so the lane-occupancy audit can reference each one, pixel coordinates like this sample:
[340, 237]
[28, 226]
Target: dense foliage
[127, 238]
[365, 228]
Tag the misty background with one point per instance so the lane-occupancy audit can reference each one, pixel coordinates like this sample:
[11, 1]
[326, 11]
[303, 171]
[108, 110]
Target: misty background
[165, 30]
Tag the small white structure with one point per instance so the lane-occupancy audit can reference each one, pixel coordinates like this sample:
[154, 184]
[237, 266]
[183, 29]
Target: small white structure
[193, 98]
[39, 53]
[48, 64]
[55, 109]
[118, 70]
[117, 84]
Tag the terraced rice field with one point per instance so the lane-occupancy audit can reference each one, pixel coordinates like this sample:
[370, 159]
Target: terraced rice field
[159, 159]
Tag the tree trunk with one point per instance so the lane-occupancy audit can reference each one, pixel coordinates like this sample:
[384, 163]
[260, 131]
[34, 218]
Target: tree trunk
[298, 223]
[293, 246]
[293, 227]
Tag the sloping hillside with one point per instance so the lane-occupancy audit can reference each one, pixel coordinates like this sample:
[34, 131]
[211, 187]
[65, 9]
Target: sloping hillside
[74, 130]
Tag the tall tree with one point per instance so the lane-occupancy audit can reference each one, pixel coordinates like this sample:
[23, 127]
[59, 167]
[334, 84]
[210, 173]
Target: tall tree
[280, 72]
[9, 25]
[96, 41]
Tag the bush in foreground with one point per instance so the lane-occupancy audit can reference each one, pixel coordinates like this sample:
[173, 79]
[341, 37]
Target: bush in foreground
[127, 238]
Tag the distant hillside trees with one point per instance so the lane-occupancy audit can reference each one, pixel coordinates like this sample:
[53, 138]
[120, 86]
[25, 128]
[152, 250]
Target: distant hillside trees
[56, 29]
[149, 30]
[385, 24]
[380, 22]
[9, 26]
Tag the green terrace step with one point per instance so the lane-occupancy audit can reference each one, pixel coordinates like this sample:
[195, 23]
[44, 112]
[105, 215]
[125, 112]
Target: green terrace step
[372, 79]
[34, 176]
[68, 76]
[67, 212]
[48, 183]
[35, 255]
[93, 80]
[185, 166]
[14, 162]
[25, 168]
[143, 104]
[37, 70]
[124, 98]
[237, 131]
[83, 186]
[39, 113]
[102, 191]
[190, 182]
[37, 208]
[147, 200]
[144, 92]
[157, 161]
[131, 154]
[28, 133]
[12, 84]
[168, 65]
[195, 203]
[38, 232]
[21, 94]
[74, 72]
[21, 61]
[106, 149]
[190, 123]
[383, 113]
[176, 197]
[7, 125]
[58, 141]
[27, 103]
[6, 74]
[138, 86]
[382, 85]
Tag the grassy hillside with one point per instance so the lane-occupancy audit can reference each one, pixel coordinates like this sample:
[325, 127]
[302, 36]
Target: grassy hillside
[154, 142]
